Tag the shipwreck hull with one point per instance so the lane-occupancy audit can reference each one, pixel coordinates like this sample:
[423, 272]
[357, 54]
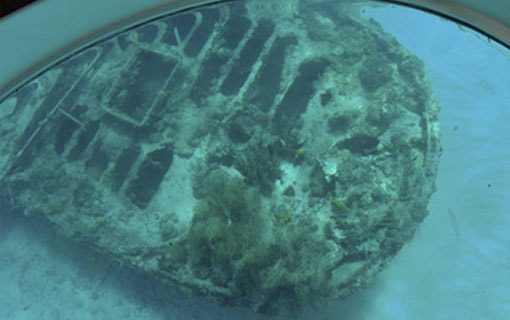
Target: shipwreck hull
[260, 154]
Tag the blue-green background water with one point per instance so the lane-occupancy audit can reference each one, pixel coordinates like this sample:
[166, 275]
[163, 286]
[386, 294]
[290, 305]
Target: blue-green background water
[440, 274]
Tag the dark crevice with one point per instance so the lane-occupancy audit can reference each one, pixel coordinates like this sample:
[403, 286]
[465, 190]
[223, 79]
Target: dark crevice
[122, 42]
[147, 33]
[249, 55]
[84, 139]
[183, 25]
[360, 144]
[235, 29]
[64, 134]
[210, 70]
[203, 32]
[267, 85]
[70, 74]
[297, 97]
[140, 85]
[98, 162]
[123, 165]
[149, 176]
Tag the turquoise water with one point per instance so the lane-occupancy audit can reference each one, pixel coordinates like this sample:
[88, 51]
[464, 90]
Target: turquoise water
[456, 266]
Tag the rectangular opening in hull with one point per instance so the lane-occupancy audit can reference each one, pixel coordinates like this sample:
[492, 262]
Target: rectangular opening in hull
[247, 58]
[149, 176]
[84, 139]
[202, 33]
[98, 162]
[123, 165]
[138, 87]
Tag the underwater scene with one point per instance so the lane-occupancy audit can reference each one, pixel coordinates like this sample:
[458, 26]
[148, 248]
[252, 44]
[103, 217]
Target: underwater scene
[261, 160]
